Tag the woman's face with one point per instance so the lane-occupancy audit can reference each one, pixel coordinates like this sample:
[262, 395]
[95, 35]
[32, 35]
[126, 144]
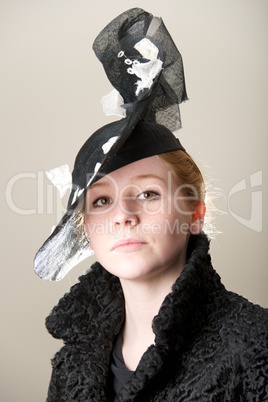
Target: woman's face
[138, 221]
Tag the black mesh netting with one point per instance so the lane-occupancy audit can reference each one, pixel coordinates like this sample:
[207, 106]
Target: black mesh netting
[114, 47]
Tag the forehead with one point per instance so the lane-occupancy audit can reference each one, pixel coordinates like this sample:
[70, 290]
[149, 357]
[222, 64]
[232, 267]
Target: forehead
[151, 168]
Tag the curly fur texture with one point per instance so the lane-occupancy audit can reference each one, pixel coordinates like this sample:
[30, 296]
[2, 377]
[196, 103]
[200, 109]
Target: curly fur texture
[210, 344]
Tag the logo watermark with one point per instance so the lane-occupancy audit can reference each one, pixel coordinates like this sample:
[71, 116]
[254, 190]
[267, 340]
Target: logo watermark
[49, 201]
[107, 227]
[255, 221]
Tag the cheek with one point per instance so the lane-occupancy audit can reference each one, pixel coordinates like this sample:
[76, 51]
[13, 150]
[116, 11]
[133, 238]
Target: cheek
[97, 244]
[100, 232]
[176, 225]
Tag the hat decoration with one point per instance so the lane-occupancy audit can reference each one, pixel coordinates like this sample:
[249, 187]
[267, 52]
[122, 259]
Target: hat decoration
[145, 69]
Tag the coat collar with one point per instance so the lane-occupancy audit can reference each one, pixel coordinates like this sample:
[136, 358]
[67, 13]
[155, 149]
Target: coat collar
[94, 307]
[91, 315]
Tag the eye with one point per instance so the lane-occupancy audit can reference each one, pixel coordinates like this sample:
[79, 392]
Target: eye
[102, 202]
[148, 195]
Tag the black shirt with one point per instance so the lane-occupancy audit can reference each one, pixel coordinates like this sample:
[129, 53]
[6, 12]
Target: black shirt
[119, 370]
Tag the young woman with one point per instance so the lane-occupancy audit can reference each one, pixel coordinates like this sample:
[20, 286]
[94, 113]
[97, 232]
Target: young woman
[151, 320]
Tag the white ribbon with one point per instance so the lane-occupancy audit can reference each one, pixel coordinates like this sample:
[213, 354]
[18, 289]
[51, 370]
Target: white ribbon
[61, 177]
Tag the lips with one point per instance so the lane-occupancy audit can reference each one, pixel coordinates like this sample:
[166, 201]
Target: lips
[128, 245]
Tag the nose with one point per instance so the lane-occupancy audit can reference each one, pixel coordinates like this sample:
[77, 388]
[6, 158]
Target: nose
[126, 212]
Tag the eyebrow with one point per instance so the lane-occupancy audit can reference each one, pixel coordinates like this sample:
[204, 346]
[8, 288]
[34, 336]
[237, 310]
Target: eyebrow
[148, 176]
[99, 184]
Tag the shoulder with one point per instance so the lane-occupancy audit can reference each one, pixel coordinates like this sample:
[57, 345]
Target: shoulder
[239, 311]
[241, 324]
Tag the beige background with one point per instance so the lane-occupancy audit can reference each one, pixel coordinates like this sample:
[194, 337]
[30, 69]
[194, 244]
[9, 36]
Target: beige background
[51, 86]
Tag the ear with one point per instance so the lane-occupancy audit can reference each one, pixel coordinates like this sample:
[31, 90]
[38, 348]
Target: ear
[198, 217]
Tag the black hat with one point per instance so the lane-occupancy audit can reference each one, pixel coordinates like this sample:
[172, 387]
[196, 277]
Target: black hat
[146, 70]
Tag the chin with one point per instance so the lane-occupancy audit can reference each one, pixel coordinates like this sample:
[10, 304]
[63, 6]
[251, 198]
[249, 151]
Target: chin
[129, 269]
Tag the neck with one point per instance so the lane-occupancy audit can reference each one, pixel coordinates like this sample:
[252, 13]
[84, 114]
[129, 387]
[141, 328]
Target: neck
[143, 300]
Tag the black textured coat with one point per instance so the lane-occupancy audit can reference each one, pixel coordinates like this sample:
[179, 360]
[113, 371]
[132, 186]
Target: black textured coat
[210, 344]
